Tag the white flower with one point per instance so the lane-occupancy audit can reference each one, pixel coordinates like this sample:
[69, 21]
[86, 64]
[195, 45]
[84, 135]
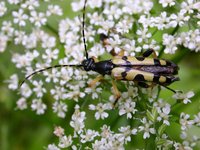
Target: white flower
[52, 147]
[89, 136]
[30, 4]
[49, 42]
[7, 29]
[3, 8]
[22, 103]
[19, 17]
[131, 92]
[50, 54]
[170, 43]
[161, 22]
[127, 107]
[134, 131]
[54, 10]
[95, 3]
[146, 128]
[13, 82]
[53, 75]
[184, 96]
[143, 35]
[75, 93]
[65, 141]
[38, 89]
[95, 91]
[97, 50]
[76, 6]
[39, 106]
[58, 131]
[146, 21]
[112, 11]
[38, 18]
[124, 26]
[24, 60]
[65, 75]
[164, 114]
[14, 1]
[130, 47]
[191, 39]
[95, 18]
[77, 121]
[185, 122]
[19, 36]
[106, 26]
[59, 93]
[136, 6]
[165, 3]
[114, 43]
[178, 19]
[25, 90]
[126, 131]
[196, 5]
[105, 131]
[30, 41]
[100, 108]
[60, 108]
[189, 5]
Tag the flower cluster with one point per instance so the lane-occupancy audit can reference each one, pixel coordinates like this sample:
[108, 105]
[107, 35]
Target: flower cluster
[133, 26]
[189, 140]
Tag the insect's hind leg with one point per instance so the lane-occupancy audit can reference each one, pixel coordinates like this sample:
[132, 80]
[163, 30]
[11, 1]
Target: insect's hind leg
[116, 92]
[169, 88]
[149, 52]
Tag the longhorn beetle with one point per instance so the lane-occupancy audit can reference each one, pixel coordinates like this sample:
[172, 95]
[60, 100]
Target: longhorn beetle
[146, 72]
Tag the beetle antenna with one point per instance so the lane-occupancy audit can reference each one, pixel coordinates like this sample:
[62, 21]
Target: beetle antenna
[48, 68]
[83, 30]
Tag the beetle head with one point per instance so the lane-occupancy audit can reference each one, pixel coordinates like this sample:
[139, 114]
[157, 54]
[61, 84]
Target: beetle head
[88, 64]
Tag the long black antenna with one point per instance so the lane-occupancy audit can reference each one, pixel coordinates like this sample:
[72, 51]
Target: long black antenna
[59, 66]
[51, 67]
[83, 30]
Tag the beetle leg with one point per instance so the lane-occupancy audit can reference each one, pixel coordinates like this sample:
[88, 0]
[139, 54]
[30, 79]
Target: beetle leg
[149, 52]
[120, 54]
[169, 88]
[97, 79]
[116, 93]
[104, 40]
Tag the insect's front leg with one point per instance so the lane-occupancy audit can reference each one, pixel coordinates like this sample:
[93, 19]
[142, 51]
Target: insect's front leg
[149, 52]
[94, 81]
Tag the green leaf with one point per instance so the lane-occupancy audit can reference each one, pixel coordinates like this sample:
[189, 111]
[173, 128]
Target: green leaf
[161, 129]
